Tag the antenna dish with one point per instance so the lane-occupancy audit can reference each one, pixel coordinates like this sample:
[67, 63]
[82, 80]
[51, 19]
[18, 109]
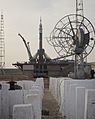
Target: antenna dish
[68, 40]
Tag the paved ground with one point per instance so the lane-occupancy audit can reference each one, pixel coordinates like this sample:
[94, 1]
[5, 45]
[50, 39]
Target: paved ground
[50, 105]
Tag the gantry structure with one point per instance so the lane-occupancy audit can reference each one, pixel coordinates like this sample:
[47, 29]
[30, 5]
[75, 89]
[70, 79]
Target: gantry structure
[41, 65]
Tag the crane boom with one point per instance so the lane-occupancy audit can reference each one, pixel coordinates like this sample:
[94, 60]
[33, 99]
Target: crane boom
[27, 47]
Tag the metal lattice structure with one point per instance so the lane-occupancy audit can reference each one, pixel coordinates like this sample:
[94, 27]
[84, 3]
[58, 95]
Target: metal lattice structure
[64, 33]
[74, 35]
[2, 43]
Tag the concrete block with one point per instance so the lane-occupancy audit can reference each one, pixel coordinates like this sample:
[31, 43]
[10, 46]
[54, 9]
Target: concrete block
[64, 90]
[5, 86]
[23, 111]
[0, 104]
[31, 92]
[34, 99]
[40, 82]
[15, 97]
[72, 102]
[37, 87]
[26, 85]
[60, 87]
[80, 102]
[4, 104]
[88, 84]
[90, 104]
[65, 107]
[53, 86]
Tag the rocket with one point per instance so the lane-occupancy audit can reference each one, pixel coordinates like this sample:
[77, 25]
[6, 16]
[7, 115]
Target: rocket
[40, 34]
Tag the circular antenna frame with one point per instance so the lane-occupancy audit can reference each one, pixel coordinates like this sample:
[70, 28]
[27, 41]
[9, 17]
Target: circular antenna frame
[66, 36]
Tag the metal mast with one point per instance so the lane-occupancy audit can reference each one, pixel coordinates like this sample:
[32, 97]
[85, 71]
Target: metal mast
[79, 58]
[2, 43]
[79, 7]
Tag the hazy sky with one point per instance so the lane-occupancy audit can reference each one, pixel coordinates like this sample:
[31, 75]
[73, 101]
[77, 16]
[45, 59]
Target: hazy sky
[22, 16]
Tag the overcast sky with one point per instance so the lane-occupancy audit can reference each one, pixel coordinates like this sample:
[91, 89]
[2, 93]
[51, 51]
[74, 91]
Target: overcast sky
[22, 16]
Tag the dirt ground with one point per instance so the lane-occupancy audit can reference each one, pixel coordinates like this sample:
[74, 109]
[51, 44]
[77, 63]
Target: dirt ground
[49, 104]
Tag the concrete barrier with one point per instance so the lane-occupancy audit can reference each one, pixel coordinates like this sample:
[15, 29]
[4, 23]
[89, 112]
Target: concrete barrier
[9, 98]
[34, 99]
[15, 97]
[90, 104]
[23, 111]
[26, 85]
[68, 95]
[80, 102]
[4, 106]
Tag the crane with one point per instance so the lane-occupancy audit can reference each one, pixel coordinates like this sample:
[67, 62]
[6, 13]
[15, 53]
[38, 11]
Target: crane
[27, 47]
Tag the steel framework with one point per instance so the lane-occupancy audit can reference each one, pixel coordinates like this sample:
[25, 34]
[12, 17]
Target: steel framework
[2, 43]
[74, 35]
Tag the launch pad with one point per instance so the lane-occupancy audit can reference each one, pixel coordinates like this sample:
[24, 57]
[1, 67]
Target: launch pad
[41, 65]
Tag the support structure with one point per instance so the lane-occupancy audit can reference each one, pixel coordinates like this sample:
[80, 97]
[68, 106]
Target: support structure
[37, 64]
[79, 62]
[2, 43]
[79, 7]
